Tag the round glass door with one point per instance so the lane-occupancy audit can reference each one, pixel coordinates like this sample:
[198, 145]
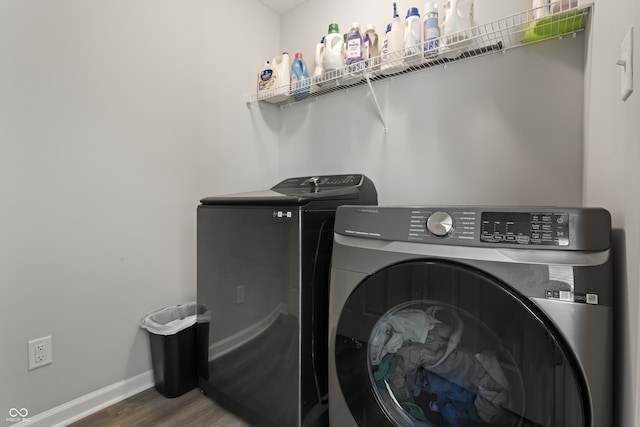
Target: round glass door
[433, 343]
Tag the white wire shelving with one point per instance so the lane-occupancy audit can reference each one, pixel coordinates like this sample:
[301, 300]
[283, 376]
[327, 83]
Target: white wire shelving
[558, 20]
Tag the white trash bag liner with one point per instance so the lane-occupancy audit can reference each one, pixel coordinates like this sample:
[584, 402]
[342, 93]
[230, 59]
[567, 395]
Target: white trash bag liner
[170, 320]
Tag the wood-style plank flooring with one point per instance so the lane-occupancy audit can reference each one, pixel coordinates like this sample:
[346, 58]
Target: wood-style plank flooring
[152, 409]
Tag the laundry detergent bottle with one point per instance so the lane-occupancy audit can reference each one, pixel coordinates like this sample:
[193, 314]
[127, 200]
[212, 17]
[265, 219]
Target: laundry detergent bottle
[355, 50]
[431, 29]
[412, 36]
[457, 24]
[273, 80]
[371, 49]
[393, 61]
[300, 81]
[333, 59]
[317, 71]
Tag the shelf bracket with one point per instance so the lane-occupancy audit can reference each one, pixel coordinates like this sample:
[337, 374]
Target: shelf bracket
[375, 100]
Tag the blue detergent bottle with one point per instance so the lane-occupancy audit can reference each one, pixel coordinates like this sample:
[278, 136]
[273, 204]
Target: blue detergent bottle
[300, 81]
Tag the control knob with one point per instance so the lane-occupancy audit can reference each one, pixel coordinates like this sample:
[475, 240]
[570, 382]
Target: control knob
[440, 223]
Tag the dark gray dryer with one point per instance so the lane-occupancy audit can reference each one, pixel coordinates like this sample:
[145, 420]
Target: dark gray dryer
[471, 316]
[263, 274]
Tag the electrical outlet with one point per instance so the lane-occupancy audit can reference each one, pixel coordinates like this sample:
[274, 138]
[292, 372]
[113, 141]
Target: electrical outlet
[40, 352]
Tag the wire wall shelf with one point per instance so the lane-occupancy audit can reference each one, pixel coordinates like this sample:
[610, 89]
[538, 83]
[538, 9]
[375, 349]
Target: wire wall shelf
[555, 21]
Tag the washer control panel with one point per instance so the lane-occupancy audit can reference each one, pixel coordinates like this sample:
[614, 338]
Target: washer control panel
[453, 224]
[537, 228]
[552, 228]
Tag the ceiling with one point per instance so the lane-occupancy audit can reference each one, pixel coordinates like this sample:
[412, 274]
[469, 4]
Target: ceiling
[281, 6]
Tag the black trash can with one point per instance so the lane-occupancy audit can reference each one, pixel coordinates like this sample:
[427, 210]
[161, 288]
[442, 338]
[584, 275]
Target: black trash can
[173, 335]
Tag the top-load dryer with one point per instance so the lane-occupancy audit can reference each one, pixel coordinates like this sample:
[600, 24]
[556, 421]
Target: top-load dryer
[471, 316]
[263, 276]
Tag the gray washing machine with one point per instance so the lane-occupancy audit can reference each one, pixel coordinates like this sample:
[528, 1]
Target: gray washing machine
[471, 316]
[263, 276]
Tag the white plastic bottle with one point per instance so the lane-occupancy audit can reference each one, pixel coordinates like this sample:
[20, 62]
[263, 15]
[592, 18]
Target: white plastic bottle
[333, 60]
[384, 50]
[541, 9]
[431, 29]
[372, 49]
[267, 78]
[282, 65]
[317, 71]
[412, 36]
[457, 24]
[274, 79]
[393, 61]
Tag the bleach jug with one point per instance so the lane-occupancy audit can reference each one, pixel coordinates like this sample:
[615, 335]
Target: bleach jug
[412, 36]
[299, 77]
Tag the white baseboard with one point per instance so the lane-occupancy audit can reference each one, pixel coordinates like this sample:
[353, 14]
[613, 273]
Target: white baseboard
[88, 404]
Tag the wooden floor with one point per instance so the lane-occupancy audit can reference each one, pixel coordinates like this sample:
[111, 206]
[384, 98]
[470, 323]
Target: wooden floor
[151, 409]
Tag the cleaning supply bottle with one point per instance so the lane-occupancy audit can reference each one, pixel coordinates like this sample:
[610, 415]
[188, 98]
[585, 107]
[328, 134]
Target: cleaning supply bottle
[267, 78]
[541, 9]
[274, 79]
[300, 81]
[394, 62]
[355, 50]
[457, 23]
[371, 49]
[431, 29]
[317, 71]
[412, 36]
[333, 59]
[384, 50]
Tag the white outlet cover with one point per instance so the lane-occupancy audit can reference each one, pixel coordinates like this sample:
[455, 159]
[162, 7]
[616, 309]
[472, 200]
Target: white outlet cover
[40, 352]
[626, 65]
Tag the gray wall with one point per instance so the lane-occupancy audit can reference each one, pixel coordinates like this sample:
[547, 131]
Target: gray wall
[115, 119]
[501, 129]
[612, 157]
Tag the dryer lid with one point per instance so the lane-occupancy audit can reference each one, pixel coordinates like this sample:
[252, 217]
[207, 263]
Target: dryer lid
[354, 188]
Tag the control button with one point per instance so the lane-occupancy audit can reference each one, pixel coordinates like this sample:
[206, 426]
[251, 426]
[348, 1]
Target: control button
[440, 224]
[313, 182]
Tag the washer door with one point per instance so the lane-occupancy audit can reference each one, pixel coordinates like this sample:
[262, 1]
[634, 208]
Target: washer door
[433, 343]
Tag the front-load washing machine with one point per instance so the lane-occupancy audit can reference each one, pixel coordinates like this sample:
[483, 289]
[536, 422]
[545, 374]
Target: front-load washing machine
[471, 316]
[263, 282]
